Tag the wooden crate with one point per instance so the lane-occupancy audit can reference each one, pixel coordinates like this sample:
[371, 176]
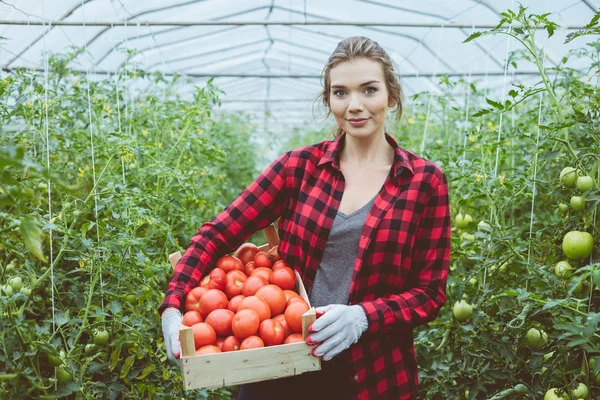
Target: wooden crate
[211, 371]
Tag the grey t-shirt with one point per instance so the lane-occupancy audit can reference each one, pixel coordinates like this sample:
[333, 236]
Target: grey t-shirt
[332, 282]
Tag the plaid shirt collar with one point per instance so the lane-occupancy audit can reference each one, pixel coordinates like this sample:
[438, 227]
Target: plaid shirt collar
[334, 147]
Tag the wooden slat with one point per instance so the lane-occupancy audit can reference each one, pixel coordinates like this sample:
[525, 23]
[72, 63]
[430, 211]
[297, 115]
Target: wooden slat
[186, 340]
[271, 235]
[243, 366]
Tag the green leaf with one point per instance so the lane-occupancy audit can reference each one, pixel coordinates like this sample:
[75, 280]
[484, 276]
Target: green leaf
[127, 366]
[32, 235]
[495, 104]
[473, 36]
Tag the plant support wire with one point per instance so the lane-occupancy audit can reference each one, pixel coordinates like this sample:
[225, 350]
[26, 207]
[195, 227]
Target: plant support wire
[263, 23]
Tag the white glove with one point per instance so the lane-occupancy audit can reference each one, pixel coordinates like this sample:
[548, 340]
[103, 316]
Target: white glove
[339, 327]
[171, 321]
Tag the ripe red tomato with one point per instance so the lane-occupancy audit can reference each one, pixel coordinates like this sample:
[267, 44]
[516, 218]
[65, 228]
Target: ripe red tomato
[281, 319]
[246, 252]
[220, 320]
[192, 300]
[293, 338]
[231, 343]
[273, 254]
[284, 277]
[295, 299]
[257, 304]
[220, 341]
[262, 271]
[203, 334]
[235, 282]
[192, 317]
[274, 297]
[271, 332]
[293, 316]
[290, 293]
[252, 342]
[253, 284]
[262, 260]
[230, 263]
[212, 300]
[279, 264]
[245, 323]
[214, 280]
[208, 349]
[249, 268]
[235, 302]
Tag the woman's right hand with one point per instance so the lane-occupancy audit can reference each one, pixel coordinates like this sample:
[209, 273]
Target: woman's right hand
[171, 321]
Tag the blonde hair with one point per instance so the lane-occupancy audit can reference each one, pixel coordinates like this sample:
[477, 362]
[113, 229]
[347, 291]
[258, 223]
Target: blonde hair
[355, 47]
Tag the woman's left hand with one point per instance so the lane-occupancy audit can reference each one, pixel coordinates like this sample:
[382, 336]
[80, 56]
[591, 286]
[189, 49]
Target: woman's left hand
[339, 327]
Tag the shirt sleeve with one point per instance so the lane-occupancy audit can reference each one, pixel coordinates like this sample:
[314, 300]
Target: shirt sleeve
[430, 263]
[258, 206]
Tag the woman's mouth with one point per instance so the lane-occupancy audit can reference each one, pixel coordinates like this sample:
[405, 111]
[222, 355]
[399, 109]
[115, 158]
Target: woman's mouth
[358, 122]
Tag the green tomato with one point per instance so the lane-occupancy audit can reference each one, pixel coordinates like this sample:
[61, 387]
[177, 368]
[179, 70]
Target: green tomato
[90, 349]
[536, 338]
[585, 183]
[63, 375]
[563, 269]
[439, 143]
[568, 176]
[100, 337]
[552, 394]
[56, 361]
[7, 290]
[563, 208]
[131, 298]
[462, 310]
[581, 391]
[467, 236]
[10, 266]
[461, 221]
[577, 203]
[25, 290]
[16, 283]
[582, 289]
[148, 272]
[577, 245]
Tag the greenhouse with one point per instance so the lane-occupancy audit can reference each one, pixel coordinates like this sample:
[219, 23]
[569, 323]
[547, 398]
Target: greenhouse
[181, 183]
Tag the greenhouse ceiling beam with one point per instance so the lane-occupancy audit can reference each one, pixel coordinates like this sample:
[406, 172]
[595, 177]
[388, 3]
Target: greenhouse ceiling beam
[297, 76]
[52, 24]
[112, 24]
[590, 6]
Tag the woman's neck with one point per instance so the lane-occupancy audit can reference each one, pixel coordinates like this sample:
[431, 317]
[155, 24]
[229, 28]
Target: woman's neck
[374, 150]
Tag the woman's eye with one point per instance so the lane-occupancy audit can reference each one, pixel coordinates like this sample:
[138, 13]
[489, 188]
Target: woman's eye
[373, 90]
[337, 93]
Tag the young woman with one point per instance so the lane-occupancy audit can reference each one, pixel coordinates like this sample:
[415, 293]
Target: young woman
[365, 223]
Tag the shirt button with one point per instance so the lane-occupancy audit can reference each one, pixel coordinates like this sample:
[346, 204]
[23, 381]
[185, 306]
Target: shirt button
[355, 377]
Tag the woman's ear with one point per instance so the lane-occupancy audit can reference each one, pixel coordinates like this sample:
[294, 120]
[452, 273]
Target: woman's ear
[392, 103]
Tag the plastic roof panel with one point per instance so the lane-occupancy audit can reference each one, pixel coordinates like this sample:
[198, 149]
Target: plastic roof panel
[420, 52]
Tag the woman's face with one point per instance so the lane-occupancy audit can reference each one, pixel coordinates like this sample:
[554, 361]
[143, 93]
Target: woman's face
[358, 97]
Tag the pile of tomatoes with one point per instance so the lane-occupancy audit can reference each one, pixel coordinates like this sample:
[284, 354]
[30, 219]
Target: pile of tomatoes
[247, 301]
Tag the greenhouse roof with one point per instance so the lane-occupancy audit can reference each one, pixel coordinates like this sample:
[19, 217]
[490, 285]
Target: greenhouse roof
[268, 55]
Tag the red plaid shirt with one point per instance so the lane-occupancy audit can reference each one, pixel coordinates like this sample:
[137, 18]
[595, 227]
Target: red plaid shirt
[402, 262]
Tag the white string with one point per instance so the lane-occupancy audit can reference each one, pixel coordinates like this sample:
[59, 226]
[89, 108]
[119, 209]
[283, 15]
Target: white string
[537, 141]
[95, 190]
[468, 100]
[47, 131]
[503, 99]
[437, 57]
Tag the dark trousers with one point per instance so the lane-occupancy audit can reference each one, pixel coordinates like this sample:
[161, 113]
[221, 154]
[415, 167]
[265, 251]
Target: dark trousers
[331, 383]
